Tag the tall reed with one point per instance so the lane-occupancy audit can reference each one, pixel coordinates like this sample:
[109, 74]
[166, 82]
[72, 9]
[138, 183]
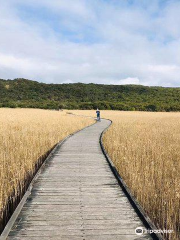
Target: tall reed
[26, 135]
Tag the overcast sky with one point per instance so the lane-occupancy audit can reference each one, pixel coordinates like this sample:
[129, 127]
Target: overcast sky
[99, 41]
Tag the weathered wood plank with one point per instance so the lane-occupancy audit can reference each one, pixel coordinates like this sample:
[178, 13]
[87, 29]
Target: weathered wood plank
[76, 197]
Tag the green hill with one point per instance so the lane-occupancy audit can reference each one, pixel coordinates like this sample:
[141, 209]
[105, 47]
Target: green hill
[26, 93]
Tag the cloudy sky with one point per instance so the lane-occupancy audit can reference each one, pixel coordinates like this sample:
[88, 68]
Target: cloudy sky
[99, 41]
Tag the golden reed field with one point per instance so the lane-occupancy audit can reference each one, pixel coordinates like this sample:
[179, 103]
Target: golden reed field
[26, 135]
[145, 147]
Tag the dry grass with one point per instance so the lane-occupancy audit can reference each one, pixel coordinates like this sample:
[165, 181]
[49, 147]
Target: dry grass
[145, 148]
[25, 136]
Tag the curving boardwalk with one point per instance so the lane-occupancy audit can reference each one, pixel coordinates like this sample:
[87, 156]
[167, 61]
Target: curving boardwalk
[76, 197]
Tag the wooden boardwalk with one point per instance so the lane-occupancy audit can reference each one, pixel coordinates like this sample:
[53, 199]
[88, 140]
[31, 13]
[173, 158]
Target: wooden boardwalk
[76, 197]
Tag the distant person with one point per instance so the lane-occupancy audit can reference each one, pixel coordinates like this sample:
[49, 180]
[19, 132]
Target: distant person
[98, 115]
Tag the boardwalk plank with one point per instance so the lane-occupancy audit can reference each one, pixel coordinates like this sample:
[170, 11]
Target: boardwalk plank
[76, 197]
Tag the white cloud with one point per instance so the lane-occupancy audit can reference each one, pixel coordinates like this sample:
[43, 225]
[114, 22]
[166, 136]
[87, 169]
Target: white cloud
[129, 80]
[163, 69]
[91, 41]
[68, 81]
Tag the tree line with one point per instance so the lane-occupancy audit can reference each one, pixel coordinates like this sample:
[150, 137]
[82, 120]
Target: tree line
[25, 93]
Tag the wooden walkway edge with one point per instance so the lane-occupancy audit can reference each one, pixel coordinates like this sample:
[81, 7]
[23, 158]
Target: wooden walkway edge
[139, 210]
[77, 197]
